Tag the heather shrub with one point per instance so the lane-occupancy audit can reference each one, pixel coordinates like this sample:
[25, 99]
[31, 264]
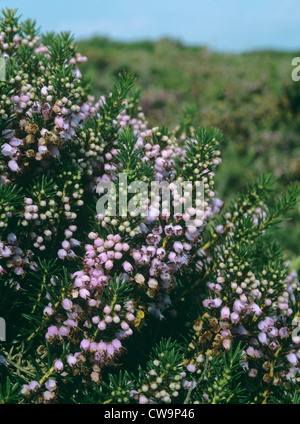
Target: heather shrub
[250, 96]
[139, 308]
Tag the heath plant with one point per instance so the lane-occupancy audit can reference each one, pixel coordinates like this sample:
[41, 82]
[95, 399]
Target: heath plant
[130, 306]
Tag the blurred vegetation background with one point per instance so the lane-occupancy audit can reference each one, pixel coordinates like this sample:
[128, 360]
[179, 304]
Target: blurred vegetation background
[250, 96]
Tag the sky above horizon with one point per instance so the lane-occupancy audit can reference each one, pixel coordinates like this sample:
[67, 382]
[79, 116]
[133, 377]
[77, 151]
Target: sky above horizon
[223, 25]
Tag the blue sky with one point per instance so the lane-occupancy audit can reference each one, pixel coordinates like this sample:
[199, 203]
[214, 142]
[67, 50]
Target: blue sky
[224, 25]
